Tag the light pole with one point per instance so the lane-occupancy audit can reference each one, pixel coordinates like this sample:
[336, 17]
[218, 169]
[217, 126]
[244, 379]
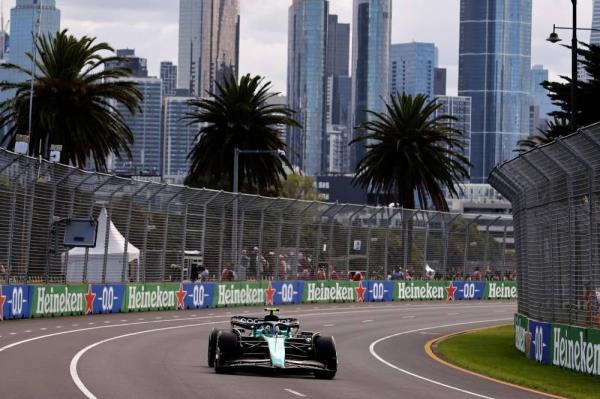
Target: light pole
[553, 38]
[236, 170]
[236, 162]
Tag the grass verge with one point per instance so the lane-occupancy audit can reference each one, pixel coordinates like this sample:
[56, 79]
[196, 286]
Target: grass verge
[491, 352]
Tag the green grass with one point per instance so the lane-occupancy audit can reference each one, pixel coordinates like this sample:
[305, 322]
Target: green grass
[492, 352]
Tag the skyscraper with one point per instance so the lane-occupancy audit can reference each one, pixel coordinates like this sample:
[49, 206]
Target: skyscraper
[146, 128]
[338, 47]
[595, 35]
[306, 83]
[168, 75]
[439, 81]
[540, 102]
[371, 32]
[179, 138]
[494, 70]
[460, 109]
[412, 67]
[23, 19]
[208, 43]
[137, 65]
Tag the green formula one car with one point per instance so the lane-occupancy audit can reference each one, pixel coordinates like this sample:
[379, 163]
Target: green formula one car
[271, 342]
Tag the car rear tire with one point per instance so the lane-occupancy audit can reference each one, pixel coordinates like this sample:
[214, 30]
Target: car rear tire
[212, 346]
[325, 352]
[227, 348]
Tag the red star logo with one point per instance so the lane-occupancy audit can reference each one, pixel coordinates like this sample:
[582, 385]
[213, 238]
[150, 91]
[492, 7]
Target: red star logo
[180, 297]
[2, 299]
[360, 292]
[89, 300]
[270, 292]
[451, 290]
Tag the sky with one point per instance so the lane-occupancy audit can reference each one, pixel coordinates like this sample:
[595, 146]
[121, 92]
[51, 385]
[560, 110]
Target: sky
[151, 28]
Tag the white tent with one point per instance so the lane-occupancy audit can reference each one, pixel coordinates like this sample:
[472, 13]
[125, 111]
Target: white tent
[95, 256]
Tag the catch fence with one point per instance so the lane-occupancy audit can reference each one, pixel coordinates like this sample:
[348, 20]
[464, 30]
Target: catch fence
[151, 232]
[556, 209]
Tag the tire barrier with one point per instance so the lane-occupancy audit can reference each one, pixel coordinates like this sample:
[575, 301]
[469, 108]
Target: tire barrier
[31, 301]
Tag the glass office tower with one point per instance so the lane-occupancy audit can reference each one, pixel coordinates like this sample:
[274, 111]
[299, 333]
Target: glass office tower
[494, 70]
[306, 83]
[412, 68]
[371, 32]
[208, 43]
[595, 35]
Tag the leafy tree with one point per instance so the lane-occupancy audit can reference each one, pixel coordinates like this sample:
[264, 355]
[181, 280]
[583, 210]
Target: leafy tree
[239, 116]
[554, 129]
[74, 101]
[410, 150]
[301, 187]
[588, 93]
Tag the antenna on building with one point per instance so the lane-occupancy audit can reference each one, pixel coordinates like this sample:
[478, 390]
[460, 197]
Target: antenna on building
[36, 36]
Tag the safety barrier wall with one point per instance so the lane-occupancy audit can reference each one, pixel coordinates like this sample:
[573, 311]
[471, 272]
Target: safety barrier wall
[569, 347]
[27, 301]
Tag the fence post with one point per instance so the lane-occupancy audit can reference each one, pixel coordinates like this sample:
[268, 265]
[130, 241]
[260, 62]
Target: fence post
[127, 230]
[299, 232]
[487, 239]
[426, 243]
[241, 232]
[319, 232]
[350, 238]
[29, 217]
[331, 226]
[260, 236]
[395, 211]
[369, 242]
[107, 233]
[221, 233]
[165, 232]
[446, 226]
[280, 229]
[467, 243]
[11, 222]
[144, 249]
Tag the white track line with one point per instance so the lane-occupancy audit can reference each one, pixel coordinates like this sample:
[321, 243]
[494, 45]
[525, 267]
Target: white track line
[295, 392]
[382, 360]
[73, 366]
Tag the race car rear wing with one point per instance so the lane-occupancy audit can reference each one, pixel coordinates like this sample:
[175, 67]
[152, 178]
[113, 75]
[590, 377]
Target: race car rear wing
[248, 322]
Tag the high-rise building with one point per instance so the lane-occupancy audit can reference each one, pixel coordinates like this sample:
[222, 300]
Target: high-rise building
[595, 34]
[494, 70]
[460, 109]
[412, 67]
[146, 128]
[439, 82]
[338, 47]
[307, 83]
[541, 105]
[137, 65]
[208, 43]
[23, 23]
[168, 75]
[4, 36]
[371, 32]
[179, 138]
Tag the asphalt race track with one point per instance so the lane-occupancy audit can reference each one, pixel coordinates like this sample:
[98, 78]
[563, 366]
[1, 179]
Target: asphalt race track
[163, 354]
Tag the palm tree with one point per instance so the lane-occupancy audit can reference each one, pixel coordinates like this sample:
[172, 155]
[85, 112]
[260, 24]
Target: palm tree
[554, 129]
[410, 149]
[74, 101]
[239, 116]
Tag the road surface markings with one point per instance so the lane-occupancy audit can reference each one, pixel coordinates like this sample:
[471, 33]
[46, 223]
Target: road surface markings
[453, 314]
[295, 392]
[106, 321]
[367, 321]
[409, 317]
[90, 323]
[58, 326]
[43, 329]
[328, 325]
[13, 333]
[140, 319]
[391, 365]
[27, 331]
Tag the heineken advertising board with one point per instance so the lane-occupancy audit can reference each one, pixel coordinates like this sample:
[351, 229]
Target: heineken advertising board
[572, 348]
[59, 300]
[24, 301]
[146, 297]
[334, 291]
[15, 302]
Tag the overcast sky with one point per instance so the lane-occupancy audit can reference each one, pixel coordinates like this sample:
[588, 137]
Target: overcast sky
[151, 27]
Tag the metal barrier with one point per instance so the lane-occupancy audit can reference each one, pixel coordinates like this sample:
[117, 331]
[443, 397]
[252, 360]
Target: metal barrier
[151, 232]
[554, 193]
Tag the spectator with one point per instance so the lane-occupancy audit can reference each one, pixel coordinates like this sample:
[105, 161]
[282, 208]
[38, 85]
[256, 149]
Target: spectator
[305, 274]
[244, 265]
[321, 274]
[477, 274]
[204, 274]
[253, 268]
[283, 268]
[357, 276]
[3, 272]
[227, 274]
[334, 275]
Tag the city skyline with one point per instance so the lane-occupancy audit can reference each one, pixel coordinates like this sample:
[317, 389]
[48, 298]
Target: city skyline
[263, 35]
